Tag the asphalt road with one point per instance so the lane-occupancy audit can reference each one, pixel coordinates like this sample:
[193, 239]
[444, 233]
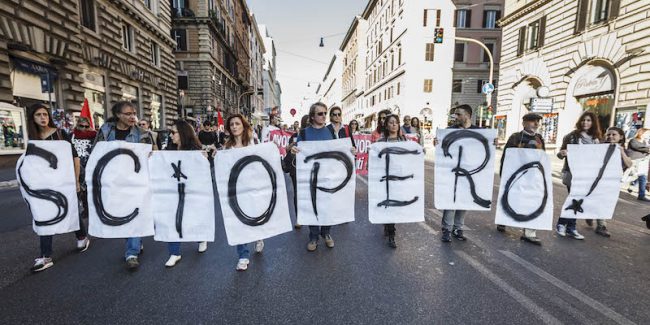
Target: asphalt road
[492, 278]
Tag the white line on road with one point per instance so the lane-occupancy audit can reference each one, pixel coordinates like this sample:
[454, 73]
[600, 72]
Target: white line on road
[519, 297]
[362, 180]
[610, 313]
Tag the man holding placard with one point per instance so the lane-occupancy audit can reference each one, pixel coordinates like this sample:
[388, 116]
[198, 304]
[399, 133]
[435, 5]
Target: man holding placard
[526, 138]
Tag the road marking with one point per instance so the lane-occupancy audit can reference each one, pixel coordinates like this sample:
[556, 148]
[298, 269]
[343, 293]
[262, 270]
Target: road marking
[9, 184]
[608, 312]
[362, 180]
[519, 297]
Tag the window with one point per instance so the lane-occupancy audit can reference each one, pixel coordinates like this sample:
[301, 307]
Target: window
[438, 14]
[88, 13]
[459, 53]
[211, 5]
[178, 6]
[531, 37]
[463, 18]
[180, 36]
[182, 82]
[490, 46]
[479, 85]
[127, 38]
[398, 87]
[425, 17]
[399, 57]
[457, 86]
[149, 4]
[155, 54]
[592, 12]
[428, 85]
[428, 56]
[490, 18]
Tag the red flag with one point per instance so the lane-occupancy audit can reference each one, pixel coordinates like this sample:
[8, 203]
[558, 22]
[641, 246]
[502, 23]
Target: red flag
[219, 119]
[85, 112]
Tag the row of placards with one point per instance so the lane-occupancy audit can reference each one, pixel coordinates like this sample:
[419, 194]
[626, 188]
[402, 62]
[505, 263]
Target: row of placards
[133, 192]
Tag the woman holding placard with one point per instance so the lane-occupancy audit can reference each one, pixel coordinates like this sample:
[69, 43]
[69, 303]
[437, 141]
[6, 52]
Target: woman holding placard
[392, 132]
[241, 135]
[41, 127]
[184, 138]
[587, 131]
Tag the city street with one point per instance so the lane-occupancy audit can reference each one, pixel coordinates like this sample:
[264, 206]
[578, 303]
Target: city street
[492, 278]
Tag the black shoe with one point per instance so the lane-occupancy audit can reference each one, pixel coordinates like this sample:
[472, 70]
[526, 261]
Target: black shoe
[391, 242]
[602, 230]
[446, 236]
[132, 263]
[647, 221]
[458, 234]
[643, 199]
[501, 228]
[532, 240]
[590, 222]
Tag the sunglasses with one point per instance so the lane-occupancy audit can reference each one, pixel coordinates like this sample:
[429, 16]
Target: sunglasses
[321, 113]
[173, 132]
[335, 114]
[83, 126]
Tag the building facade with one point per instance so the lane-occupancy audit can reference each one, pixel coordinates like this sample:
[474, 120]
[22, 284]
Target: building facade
[476, 19]
[561, 58]
[257, 68]
[353, 50]
[62, 52]
[212, 40]
[405, 71]
[329, 90]
[272, 90]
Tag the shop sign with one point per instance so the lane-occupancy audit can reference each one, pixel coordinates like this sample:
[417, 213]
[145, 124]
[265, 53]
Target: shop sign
[592, 80]
[541, 105]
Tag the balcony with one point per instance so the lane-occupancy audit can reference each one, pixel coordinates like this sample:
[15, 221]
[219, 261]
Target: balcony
[182, 13]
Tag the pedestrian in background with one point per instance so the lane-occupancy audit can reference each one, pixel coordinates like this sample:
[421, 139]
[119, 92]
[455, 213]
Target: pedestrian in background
[122, 126]
[407, 128]
[41, 127]
[241, 135]
[417, 128]
[289, 164]
[207, 135]
[354, 127]
[530, 139]
[391, 134]
[638, 151]
[184, 138]
[338, 129]
[586, 131]
[379, 131]
[146, 125]
[82, 140]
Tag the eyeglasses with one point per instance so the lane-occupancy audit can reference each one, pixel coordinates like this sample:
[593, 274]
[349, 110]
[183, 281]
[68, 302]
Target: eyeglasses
[83, 126]
[335, 114]
[173, 132]
[321, 113]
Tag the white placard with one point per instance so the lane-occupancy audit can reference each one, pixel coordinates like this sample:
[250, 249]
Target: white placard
[252, 193]
[595, 184]
[119, 194]
[396, 182]
[46, 176]
[182, 196]
[526, 190]
[326, 182]
[466, 185]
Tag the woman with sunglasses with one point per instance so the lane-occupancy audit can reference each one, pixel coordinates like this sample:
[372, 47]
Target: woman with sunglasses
[379, 131]
[41, 127]
[354, 127]
[183, 136]
[391, 134]
[241, 135]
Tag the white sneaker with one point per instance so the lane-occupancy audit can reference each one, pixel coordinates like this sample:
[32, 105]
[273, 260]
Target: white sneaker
[575, 234]
[82, 245]
[173, 259]
[242, 264]
[259, 246]
[561, 230]
[41, 264]
[203, 246]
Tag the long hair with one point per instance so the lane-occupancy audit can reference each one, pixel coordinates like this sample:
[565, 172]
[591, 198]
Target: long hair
[187, 136]
[415, 119]
[639, 133]
[380, 127]
[117, 109]
[312, 111]
[246, 134]
[386, 132]
[620, 132]
[594, 131]
[357, 126]
[304, 122]
[32, 127]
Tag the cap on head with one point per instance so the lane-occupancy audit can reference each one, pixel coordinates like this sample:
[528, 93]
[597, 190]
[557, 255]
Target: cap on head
[531, 117]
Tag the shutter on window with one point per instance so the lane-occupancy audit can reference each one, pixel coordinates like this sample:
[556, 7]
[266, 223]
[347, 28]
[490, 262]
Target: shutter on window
[522, 40]
[468, 20]
[542, 32]
[581, 19]
[456, 18]
[485, 14]
[615, 7]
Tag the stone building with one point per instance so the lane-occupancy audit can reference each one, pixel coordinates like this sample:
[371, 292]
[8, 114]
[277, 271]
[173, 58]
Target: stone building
[561, 58]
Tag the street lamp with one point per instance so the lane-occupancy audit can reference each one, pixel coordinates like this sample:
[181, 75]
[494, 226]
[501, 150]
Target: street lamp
[488, 97]
[259, 91]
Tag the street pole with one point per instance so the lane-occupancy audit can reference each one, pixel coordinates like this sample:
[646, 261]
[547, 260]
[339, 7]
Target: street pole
[242, 95]
[488, 97]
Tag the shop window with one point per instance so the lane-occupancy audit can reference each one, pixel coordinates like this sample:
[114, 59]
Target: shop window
[548, 128]
[457, 86]
[601, 105]
[12, 137]
[630, 120]
[500, 123]
[87, 14]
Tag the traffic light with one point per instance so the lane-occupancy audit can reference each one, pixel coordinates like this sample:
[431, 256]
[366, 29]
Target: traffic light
[439, 34]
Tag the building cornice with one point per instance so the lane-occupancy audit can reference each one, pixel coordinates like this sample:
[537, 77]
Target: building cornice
[521, 12]
[351, 30]
[369, 8]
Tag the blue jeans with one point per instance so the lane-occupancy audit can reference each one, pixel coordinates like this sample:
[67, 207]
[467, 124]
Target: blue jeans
[314, 231]
[243, 252]
[643, 180]
[133, 246]
[453, 217]
[174, 248]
